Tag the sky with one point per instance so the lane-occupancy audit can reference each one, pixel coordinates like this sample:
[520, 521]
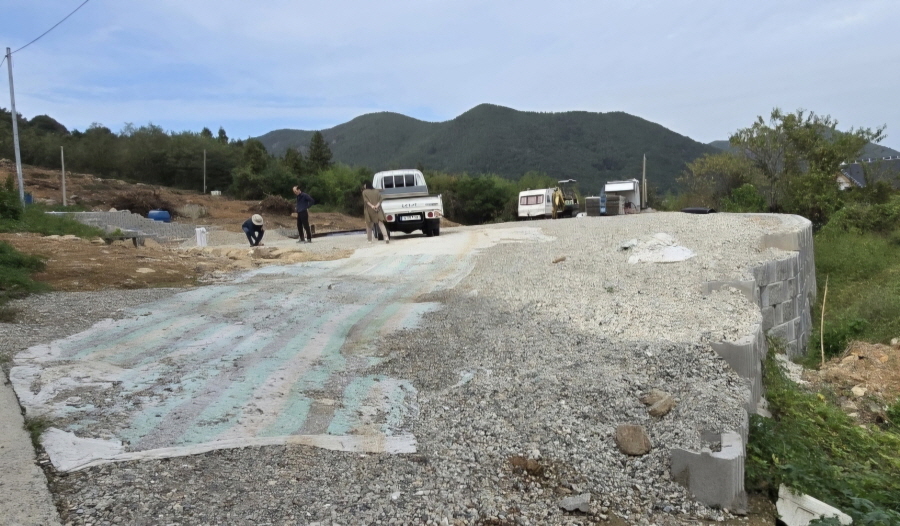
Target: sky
[701, 68]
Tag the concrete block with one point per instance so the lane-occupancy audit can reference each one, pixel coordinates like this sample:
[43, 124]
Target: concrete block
[783, 268]
[772, 294]
[778, 314]
[784, 332]
[768, 317]
[714, 478]
[788, 311]
[800, 510]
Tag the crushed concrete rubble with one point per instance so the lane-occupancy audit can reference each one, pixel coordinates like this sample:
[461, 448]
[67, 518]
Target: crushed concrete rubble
[506, 367]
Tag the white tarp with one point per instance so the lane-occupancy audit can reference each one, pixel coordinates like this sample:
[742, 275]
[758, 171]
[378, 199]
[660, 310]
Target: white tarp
[658, 248]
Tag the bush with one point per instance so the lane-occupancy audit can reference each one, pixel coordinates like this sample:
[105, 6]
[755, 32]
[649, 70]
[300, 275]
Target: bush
[15, 273]
[10, 205]
[812, 447]
[141, 202]
[744, 199]
[861, 217]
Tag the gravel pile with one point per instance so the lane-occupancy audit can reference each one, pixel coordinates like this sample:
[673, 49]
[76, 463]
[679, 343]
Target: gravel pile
[522, 378]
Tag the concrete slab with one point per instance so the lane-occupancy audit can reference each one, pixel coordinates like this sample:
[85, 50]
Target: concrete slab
[24, 497]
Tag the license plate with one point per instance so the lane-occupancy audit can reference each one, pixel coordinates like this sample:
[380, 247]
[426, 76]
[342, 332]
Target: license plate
[410, 218]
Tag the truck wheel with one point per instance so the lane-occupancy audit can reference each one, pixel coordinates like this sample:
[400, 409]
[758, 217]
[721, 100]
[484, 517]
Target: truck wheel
[428, 231]
[436, 231]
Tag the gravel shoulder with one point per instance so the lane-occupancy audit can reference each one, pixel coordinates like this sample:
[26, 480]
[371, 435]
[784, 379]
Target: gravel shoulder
[539, 352]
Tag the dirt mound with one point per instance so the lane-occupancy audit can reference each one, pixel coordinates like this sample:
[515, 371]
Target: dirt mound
[142, 201]
[866, 379]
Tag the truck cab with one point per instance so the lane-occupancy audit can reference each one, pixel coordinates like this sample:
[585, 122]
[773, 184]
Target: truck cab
[406, 203]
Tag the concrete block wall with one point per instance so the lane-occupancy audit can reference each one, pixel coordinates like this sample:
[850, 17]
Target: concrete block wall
[128, 222]
[784, 290]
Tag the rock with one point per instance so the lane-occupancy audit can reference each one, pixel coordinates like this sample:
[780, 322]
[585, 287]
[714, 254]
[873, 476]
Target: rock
[580, 503]
[662, 408]
[660, 402]
[895, 343]
[98, 241]
[145, 270]
[655, 395]
[632, 440]
[858, 391]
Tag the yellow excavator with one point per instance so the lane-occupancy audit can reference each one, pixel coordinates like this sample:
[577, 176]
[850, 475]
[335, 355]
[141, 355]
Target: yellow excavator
[565, 199]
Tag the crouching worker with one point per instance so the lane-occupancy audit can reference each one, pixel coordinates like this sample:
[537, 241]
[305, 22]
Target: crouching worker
[253, 227]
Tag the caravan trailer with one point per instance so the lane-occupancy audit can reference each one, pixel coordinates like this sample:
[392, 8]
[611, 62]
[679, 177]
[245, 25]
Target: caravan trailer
[535, 203]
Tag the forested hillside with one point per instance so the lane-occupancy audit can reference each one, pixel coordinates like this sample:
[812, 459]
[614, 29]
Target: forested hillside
[590, 147]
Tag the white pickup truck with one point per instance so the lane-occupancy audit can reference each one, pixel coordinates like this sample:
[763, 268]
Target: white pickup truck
[407, 205]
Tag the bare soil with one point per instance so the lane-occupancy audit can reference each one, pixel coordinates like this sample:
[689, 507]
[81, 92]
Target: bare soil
[865, 379]
[75, 264]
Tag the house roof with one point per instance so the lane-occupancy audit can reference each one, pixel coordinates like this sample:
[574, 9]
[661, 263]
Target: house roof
[885, 166]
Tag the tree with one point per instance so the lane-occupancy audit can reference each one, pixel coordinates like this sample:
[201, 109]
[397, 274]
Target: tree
[293, 160]
[319, 155]
[222, 137]
[798, 153]
[206, 133]
[712, 178]
[255, 156]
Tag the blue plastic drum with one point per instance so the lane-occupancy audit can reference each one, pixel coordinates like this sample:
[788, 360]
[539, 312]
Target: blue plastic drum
[160, 215]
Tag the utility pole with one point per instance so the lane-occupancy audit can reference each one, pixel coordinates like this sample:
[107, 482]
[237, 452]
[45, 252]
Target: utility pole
[12, 103]
[62, 159]
[644, 185]
[204, 171]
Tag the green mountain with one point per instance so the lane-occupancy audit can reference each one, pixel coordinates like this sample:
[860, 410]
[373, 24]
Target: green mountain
[590, 147]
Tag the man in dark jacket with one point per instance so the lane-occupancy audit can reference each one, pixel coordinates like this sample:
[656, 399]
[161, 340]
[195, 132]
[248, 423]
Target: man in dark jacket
[304, 201]
[253, 227]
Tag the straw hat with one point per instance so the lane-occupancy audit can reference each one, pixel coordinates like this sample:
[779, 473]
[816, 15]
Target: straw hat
[257, 219]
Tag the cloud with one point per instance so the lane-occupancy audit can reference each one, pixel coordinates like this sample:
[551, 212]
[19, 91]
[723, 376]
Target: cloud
[701, 68]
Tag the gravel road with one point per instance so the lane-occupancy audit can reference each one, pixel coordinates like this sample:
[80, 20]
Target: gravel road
[539, 352]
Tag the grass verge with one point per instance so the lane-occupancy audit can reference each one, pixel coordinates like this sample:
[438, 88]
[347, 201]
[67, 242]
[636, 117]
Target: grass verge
[810, 445]
[863, 272]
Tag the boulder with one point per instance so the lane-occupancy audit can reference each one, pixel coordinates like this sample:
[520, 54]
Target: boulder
[633, 440]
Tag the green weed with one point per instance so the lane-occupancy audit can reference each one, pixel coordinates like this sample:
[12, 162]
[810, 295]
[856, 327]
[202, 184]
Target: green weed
[810, 445]
[36, 427]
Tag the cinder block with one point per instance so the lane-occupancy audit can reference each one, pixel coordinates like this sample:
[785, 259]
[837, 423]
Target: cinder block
[772, 294]
[768, 317]
[784, 332]
[788, 311]
[714, 478]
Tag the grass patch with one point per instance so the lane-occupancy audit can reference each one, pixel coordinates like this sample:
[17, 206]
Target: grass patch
[35, 219]
[863, 272]
[36, 427]
[810, 445]
[15, 275]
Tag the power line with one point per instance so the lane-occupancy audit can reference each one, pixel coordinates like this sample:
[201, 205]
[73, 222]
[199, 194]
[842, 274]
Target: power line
[52, 28]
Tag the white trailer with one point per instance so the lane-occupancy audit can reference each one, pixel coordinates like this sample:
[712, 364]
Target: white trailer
[535, 203]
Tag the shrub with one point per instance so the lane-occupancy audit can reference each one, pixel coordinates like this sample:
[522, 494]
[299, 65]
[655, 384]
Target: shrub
[861, 217]
[811, 446]
[10, 205]
[744, 199]
[15, 273]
